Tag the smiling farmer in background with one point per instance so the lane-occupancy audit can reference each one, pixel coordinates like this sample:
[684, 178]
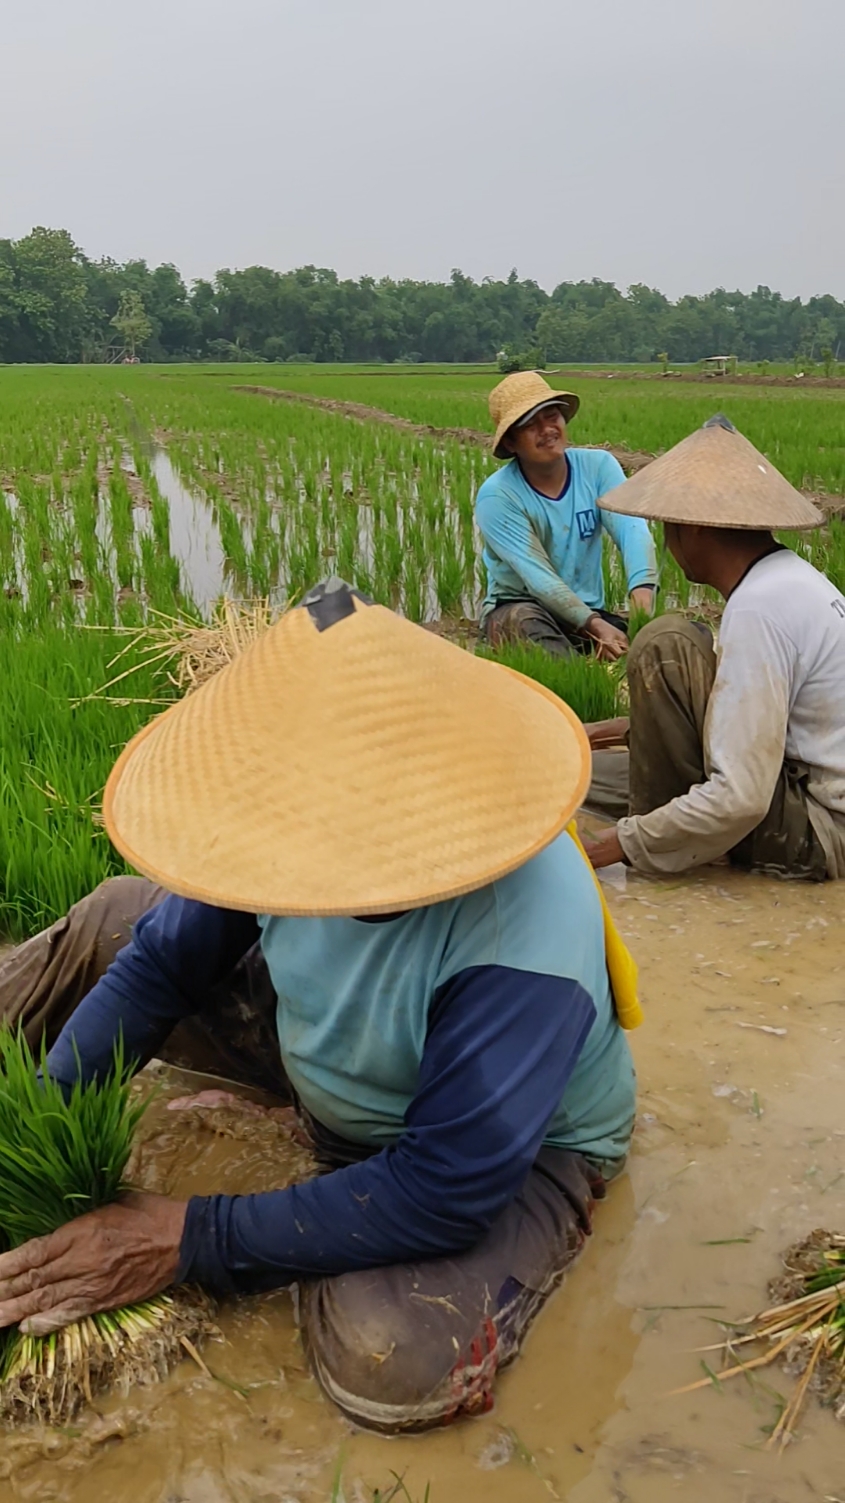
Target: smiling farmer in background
[542, 523]
[377, 910]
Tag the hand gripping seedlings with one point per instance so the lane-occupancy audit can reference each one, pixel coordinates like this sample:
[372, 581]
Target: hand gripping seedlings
[58, 1159]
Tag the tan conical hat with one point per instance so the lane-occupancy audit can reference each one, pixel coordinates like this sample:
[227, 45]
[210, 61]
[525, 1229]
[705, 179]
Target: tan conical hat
[714, 478]
[519, 396]
[347, 762]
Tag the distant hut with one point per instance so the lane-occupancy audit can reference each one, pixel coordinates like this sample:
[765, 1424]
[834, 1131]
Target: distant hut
[719, 365]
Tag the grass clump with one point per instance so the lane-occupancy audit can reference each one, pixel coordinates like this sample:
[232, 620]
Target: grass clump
[56, 751]
[60, 1158]
[594, 690]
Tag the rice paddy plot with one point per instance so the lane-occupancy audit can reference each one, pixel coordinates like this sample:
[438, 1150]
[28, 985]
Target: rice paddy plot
[117, 503]
[297, 493]
[802, 430]
[129, 493]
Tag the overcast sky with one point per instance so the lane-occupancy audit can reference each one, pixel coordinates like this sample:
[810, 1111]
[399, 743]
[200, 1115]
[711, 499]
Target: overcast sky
[684, 143]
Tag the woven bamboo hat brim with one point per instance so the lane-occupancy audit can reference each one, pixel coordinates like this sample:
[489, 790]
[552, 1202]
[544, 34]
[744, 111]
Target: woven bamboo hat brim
[520, 394]
[347, 762]
[714, 478]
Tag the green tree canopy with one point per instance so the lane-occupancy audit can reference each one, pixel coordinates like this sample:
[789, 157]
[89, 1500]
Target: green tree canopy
[56, 304]
[131, 321]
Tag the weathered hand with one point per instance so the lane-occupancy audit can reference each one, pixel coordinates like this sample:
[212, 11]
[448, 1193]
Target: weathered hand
[643, 598]
[605, 849]
[107, 1258]
[602, 734]
[610, 641]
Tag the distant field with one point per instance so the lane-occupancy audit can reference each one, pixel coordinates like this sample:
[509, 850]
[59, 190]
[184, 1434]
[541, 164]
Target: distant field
[802, 430]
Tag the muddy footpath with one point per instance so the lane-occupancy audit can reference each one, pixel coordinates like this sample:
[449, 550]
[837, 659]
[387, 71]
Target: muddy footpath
[739, 1151]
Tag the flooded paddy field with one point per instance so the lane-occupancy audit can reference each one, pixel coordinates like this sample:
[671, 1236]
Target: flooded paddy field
[126, 493]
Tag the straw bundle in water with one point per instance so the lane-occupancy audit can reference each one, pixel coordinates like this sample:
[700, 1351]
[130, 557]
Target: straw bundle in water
[58, 1159]
[805, 1327]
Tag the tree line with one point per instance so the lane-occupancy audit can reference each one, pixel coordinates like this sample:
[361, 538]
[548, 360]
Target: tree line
[56, 304]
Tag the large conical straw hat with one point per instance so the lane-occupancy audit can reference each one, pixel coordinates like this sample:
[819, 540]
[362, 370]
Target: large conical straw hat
[347, 762]
[519, 396]
[714, 478]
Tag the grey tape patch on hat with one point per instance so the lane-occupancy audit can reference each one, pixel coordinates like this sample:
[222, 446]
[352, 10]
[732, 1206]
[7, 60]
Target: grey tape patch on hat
[330, 601]
[719, 420]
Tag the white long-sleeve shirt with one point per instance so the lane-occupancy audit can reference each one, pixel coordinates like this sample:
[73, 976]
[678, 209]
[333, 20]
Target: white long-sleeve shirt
[779, 694]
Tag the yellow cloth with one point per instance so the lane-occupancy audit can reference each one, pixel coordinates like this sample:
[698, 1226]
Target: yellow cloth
[621, 965]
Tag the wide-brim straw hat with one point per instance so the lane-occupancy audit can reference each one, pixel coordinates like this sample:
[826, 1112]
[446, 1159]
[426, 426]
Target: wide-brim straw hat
[347, 762]
[521, 395]
[714, 478]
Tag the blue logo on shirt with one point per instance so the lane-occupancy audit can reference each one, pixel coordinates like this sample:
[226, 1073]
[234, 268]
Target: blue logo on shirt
[587, 521]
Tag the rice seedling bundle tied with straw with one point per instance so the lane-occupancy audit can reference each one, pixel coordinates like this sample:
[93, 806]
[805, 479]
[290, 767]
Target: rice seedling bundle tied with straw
[60, 1158]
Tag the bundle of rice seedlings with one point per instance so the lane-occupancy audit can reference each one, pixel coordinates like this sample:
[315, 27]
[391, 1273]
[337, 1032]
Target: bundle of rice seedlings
[805, 1327]
[58, 1159]
[593, 689]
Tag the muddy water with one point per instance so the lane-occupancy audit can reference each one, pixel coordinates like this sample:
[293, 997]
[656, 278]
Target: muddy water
[741, 1135]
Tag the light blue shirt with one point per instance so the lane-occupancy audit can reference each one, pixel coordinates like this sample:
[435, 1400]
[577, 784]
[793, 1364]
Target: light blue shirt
[355, 998]
[551, 550]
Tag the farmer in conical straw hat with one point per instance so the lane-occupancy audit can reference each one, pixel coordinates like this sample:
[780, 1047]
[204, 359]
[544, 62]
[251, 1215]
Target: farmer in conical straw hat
[739, 752]
[542, 516]
[376, 909]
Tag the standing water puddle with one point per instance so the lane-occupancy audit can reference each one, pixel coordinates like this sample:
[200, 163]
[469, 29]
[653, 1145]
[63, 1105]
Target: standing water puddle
[194, 535]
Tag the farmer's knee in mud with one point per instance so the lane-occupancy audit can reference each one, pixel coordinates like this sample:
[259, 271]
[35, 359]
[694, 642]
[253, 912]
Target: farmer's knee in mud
[655, 637]
[367, 1350]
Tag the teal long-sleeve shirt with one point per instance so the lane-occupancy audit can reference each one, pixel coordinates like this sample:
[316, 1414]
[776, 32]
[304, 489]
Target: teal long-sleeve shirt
[551, 550]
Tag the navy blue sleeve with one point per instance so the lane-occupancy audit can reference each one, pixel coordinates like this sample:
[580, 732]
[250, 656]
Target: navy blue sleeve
[501, 1046]
[179, 951]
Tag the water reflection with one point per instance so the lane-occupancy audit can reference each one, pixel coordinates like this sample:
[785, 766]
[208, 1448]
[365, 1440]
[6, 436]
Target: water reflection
[194, 535]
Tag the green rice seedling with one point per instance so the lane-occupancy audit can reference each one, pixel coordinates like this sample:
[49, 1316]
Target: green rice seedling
[591, 688]
[638, 618]
[613, 575]
[448, 573]
[347, 539]
[413, 589]
[60, 1157]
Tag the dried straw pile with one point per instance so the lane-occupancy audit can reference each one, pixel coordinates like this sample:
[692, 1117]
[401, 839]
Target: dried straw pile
[191, 651]
[805, 1327]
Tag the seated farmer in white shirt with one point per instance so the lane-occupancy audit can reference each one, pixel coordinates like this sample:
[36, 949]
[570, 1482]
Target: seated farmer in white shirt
[541, 522]
[372, 905]
[738, 752]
